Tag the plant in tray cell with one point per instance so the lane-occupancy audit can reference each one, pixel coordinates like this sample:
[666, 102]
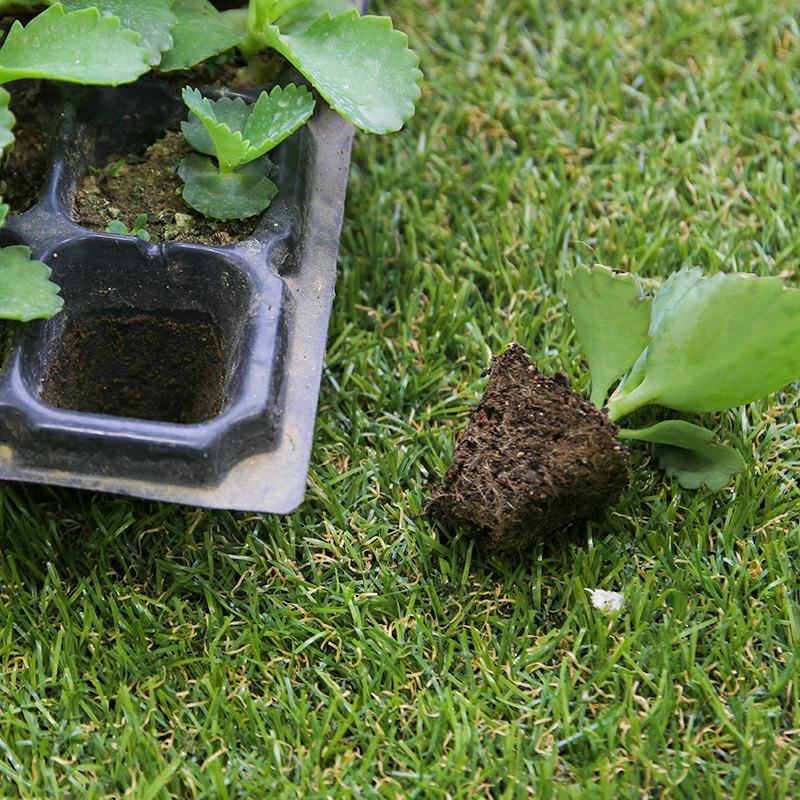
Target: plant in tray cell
[537, 457]
[239, 136]
[73, 46]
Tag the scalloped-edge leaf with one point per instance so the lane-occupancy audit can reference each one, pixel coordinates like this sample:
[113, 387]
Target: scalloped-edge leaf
[26, 291]
[76, 47]
[230, 111]
[7, 121]
[153, 20]
[230, 147]
[230, 195]
[690, 454]
[201, 32]
[275, 116]
[611, 318]
[362, 66]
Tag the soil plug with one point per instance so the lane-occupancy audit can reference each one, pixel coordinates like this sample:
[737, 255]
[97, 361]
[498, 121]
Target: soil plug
[536, 457]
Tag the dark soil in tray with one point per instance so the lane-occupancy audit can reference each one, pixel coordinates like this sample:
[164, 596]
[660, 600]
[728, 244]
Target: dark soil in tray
[166, 366]
[147, 183]
[534, 459]
[24, 168]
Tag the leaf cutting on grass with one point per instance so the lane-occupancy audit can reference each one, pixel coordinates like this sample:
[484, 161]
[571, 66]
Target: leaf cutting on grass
[701, 344]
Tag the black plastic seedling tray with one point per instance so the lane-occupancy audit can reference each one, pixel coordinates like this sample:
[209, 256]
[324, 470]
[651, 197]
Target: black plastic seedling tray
[178, 372]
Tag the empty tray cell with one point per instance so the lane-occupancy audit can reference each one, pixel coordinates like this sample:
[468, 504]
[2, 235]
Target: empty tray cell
[165, 365]
[142, 335]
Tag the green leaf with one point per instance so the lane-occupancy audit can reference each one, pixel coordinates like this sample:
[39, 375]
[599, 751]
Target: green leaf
[231, 195]
[729, 340]
[78, 47]
[690, 454]
[153, 20]
[3, 213]
[611, 319]
[673, 290]
[26, 291]
[230, 111]
[275, 116]
[7, 121]
[299, 17]
[360, 65]
[230, 147]
[201, 32]
[236, 132]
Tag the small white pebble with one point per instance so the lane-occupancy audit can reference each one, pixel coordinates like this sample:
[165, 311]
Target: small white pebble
[606, 601]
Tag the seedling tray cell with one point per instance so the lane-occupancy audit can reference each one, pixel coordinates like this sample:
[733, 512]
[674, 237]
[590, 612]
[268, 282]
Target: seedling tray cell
[178, 372]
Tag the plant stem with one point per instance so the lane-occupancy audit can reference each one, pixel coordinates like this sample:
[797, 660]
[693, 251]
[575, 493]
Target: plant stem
[620, 405]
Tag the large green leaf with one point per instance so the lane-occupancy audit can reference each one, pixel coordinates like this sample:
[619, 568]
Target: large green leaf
[674, 288]
[231, 195]
[7, 121]
[690, 454]
[611, 319]
[26, 291]
[153, 20]
[79, 47]
[301, 16]
[360, 65]
[201, 32]
[729, 340]
[275, 116]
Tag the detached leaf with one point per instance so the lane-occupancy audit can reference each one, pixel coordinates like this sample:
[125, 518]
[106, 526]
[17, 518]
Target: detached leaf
[730, 340]
[611, 319]
[669, 295]
[201, 32]
[672, 292]
[26, 291]
[78, 47]
[690, 454]
[151, 19]
[230, 148]
[229, 195]
[7, 121]
[275, 116]
[360, 65]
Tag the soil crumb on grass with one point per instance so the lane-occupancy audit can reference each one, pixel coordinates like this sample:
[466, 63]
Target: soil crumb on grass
[24, 169]
[535, 458]
[123, 190]
[166, 366]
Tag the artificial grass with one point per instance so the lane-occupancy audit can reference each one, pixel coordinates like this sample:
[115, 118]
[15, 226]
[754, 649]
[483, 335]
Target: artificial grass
[352, 650]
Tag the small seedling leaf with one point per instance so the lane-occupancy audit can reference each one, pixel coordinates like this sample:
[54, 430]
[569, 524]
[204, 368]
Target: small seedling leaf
[275, 116]
[612, 319]
[26, 291]
[690, 454]
[230, 148]
[7, 121]
[77, 46]
[232, 195]
[230, 111]
[360, 65]
[201, 32]
[729, 340]
[153, 20]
